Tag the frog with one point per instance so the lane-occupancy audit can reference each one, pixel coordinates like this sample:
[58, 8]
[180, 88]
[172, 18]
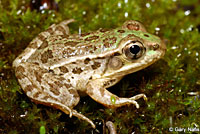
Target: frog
[57, 67]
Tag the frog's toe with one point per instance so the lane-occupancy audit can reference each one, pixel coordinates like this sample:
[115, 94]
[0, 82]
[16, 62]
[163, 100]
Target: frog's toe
[145, 97]
[70, 114]
[111, 127]
[81, 116]
[136, 104]
[136, 97]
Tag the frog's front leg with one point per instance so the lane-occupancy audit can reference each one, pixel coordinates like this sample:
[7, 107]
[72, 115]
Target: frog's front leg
[97, 91]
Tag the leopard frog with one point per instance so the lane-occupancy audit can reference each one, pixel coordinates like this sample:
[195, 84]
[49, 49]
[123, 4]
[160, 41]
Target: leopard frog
[57, 68]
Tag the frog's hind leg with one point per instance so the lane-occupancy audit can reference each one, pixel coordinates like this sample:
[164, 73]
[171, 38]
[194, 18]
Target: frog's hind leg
[49, 89]
[66, 110]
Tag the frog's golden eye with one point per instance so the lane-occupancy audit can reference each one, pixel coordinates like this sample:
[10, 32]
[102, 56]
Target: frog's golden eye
[134, 50]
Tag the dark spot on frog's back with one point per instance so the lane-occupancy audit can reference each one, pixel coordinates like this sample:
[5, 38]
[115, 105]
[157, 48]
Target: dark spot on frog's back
[63, 69]
[51, 71]
[33, 45]
[61, 29]
[77, 70]
[61, 78]
[96, 65]
[103, 30]
[65, 36]
[146, 35]
[44, 45]
[36, 95]
[38, 76]
[20, 75]
[67, 85]
[46, 55]
[19, 72]
[71, 43]
[41, 37]
[135, 27]
[131, 35]
[86, 61]
[58, 83]
[45, 97]
[107, 45]
[54, 88]
[121, 31]
[108, 42]
[116, 54]
[88, 47]
[94, 37]
[73, 62]
[102, 92]
[20, 69]
[95, 48]
[28, 88]
[50, 30]
[114, 39]
[71, 91]
[84, 34]
[68, 52]
[108, 83]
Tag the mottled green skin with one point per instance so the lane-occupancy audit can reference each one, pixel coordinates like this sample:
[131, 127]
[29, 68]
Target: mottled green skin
[93, 43]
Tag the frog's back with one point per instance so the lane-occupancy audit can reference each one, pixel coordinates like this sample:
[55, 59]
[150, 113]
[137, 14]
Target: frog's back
[57, 48]
[64, 49]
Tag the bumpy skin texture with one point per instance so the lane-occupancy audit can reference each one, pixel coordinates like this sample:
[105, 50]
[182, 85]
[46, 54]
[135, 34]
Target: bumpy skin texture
[57, 67]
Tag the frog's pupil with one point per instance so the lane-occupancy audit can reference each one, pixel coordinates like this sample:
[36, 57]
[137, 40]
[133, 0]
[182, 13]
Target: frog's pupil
[134, 49]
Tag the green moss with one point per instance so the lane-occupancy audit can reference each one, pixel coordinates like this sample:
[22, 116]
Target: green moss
[168, 84]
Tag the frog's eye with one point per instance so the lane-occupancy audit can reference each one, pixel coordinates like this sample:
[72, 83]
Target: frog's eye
[134, 50]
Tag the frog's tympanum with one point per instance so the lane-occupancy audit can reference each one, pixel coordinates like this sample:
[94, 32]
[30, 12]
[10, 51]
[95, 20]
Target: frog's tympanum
[57, 68]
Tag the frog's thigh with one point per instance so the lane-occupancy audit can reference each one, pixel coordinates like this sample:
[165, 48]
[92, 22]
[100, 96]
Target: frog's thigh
[45, 87]
[61, 28]
[48, 89]
[96, 91]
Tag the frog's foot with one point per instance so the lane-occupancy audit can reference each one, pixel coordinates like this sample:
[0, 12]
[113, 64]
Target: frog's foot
[71, 112]
[136, 97]
[111, 127]
[66, 110]
[81, 116]
[96, 91]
